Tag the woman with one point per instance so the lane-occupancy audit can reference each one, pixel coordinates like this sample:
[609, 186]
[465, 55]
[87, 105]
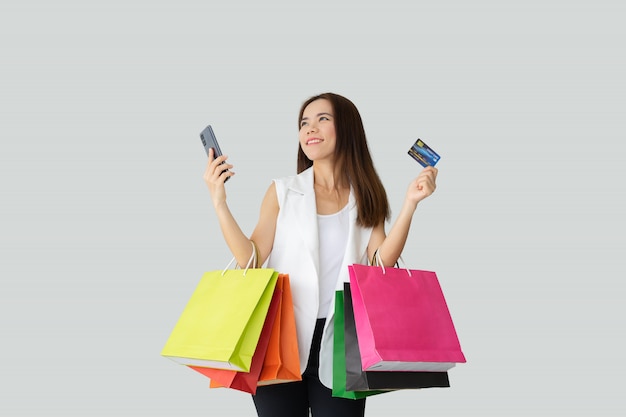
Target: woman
[312, 226]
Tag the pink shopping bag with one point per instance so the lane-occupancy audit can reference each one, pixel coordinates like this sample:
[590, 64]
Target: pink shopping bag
[402, 320]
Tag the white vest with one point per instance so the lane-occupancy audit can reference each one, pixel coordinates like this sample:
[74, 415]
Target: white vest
[296, 252]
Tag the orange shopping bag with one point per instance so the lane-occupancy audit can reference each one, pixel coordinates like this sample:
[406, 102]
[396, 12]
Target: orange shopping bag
[282, 359]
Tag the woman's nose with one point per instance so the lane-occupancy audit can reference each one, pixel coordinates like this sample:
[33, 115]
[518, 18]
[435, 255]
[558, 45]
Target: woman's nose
[311, 128]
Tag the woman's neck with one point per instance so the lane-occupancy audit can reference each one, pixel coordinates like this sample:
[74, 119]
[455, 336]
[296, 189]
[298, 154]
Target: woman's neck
[331, 191]
[325, 177]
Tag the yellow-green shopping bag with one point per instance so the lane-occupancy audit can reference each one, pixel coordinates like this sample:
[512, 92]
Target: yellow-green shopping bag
[221, 324]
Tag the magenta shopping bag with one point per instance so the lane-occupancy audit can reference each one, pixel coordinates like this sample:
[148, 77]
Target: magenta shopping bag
[402, 320]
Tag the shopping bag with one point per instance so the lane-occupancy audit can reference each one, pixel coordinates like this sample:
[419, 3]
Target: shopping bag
[221, 324]
[339, 356]
[358, 379]
[402, 320]
[246, 381]
[282, 359]
[276, 359]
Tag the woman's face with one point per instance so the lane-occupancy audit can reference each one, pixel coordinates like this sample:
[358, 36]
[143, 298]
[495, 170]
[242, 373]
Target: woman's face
[317, 130]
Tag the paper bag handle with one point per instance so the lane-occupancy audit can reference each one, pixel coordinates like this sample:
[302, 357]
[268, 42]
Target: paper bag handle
[252, 262]
[377, 260]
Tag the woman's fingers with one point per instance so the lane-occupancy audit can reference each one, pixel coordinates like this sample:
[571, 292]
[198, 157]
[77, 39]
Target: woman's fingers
[215, 172]
[424, 185]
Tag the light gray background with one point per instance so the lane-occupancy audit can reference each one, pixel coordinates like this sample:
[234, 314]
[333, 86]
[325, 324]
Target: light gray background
[107, 226]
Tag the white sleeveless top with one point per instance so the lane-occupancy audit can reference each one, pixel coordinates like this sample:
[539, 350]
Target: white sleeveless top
[333, 236]
[296, 252]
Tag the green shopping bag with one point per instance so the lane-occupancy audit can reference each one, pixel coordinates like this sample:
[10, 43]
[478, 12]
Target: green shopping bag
[339, 355]
[221, 324]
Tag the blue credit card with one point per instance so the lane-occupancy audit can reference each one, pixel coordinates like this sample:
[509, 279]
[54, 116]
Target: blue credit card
[423, 154]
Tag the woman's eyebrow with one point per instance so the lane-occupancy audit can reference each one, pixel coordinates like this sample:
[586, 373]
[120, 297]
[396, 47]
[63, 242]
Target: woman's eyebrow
[318, 115]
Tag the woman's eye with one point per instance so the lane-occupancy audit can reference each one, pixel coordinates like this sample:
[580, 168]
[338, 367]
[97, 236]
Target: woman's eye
[324, 118]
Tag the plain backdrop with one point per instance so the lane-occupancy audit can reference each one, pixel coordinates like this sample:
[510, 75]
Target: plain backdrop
[106, 224]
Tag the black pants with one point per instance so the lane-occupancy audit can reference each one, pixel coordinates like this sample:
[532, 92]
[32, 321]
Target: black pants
[294, 399]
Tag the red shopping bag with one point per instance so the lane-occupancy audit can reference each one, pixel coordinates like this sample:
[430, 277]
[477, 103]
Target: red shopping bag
[402, 320]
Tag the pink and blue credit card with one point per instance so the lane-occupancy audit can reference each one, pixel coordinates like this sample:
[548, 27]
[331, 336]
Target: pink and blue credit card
[423, 154]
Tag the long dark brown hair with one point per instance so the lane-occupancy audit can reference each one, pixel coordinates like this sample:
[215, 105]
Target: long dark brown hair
[354, 163]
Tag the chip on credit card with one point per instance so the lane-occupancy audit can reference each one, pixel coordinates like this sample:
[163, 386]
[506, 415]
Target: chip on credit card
[423, 154]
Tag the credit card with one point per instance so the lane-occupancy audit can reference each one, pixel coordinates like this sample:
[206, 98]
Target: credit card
[423, 154]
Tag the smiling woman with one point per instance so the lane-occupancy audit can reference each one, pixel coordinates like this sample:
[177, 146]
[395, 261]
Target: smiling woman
[311, 226]
[317, 131]
[351, 162]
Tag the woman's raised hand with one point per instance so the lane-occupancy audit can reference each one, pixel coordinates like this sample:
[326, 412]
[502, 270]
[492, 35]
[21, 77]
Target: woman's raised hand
[422, 186]
[216, 173]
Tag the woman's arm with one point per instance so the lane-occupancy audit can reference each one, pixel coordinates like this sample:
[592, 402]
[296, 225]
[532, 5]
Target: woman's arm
[390, 247]
[265, 230]
[215, 175]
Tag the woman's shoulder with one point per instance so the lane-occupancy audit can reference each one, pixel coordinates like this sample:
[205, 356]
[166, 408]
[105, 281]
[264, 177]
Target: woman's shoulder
[285, 179]
[288, 180]
[300, 184]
